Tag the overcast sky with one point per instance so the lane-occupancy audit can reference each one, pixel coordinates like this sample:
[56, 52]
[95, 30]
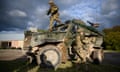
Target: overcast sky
[19, 15]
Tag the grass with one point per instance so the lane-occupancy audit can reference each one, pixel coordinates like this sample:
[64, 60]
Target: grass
[22, 66]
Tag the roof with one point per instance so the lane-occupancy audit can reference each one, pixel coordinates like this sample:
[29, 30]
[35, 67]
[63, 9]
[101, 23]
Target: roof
[11, 36]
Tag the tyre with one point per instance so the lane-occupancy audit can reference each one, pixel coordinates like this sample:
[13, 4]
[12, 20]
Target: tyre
[98, 56]
[50, 56]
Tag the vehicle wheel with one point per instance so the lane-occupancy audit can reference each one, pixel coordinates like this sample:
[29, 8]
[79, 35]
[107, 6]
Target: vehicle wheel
[98, 56]
[50, 56]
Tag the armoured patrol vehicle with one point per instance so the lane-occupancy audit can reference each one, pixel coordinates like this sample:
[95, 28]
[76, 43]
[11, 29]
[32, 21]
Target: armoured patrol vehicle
[73, 41]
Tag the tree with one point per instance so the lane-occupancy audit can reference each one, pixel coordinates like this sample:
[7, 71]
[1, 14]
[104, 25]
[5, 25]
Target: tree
[112, 38]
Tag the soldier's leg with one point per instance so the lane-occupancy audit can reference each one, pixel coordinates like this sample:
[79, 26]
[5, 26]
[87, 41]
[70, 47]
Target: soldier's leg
[51, 23]
[90, 49]
[57, 18]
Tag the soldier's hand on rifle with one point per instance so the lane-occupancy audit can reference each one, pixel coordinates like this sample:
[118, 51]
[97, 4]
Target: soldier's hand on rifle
[48, 12]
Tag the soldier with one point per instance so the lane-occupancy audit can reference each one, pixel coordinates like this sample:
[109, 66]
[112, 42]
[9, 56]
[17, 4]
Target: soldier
[53, 10]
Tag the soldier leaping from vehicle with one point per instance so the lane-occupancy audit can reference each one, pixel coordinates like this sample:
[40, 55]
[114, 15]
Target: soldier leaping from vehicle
[53, 11]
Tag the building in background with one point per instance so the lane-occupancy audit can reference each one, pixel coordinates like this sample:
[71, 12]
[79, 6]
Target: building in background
[11, 40]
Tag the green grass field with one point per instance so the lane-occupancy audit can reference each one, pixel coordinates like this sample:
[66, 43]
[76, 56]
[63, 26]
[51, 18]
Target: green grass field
[22, 66]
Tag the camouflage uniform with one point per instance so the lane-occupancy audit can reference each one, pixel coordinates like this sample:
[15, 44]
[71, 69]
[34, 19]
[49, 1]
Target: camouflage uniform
[80, 50]
[54, 14]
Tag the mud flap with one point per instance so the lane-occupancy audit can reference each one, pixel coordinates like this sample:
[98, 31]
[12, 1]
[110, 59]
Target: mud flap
[38, 61]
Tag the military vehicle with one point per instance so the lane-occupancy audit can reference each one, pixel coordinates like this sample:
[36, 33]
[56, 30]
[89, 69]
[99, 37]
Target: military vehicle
[73, 41]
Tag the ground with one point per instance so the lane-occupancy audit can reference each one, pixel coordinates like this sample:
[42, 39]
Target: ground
[15, 61]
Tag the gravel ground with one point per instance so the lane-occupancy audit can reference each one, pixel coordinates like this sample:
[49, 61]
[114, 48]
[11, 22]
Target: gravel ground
[11, 54]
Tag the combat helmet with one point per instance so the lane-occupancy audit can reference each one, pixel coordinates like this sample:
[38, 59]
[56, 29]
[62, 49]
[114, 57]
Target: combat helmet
[51, 1]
